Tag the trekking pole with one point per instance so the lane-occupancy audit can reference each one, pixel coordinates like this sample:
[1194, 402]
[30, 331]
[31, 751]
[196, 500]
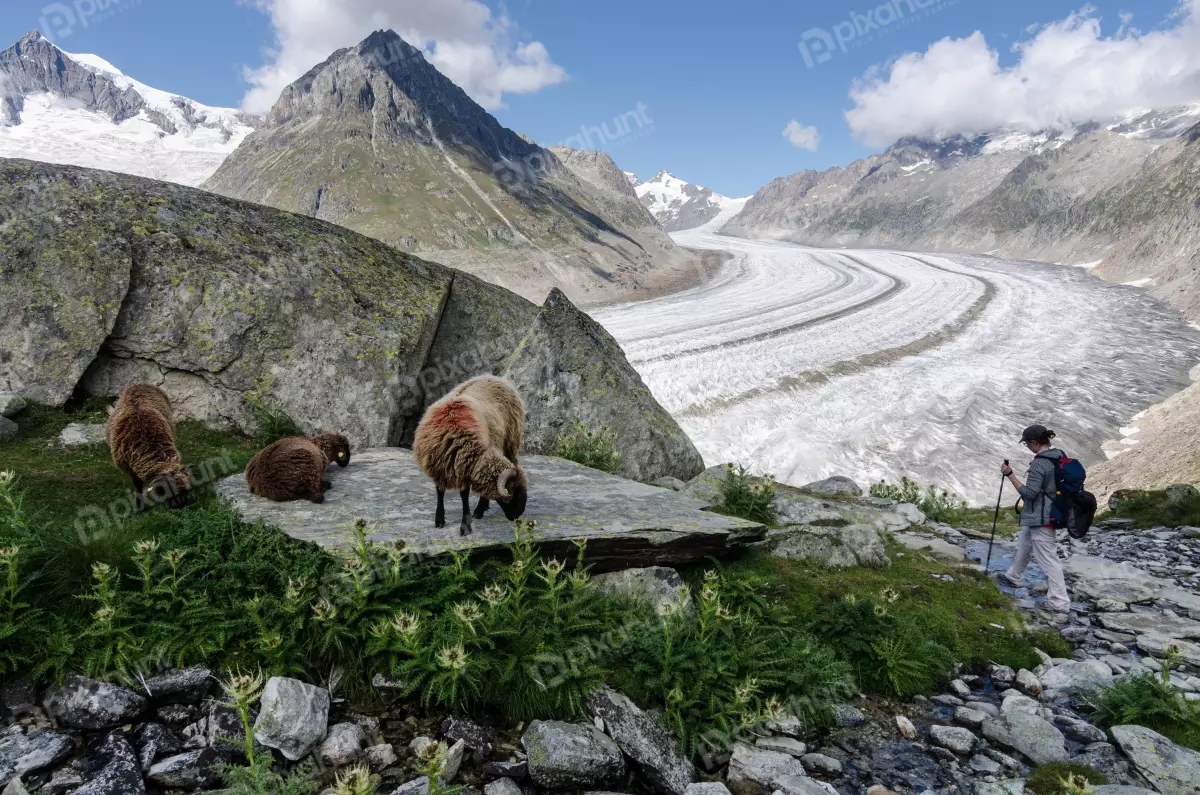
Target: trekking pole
[995, 521]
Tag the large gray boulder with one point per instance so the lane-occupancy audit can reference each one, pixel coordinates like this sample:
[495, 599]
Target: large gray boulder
[648, 745]
[293, 717]
[1172, 769]
[569, 368]
[1099, 578]
[832, 547]
[566, 756]
[1034, 738]
[1077, 677]
[91, 704]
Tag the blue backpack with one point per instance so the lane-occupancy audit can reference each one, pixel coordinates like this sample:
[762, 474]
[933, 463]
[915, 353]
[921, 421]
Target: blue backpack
[1073, 508]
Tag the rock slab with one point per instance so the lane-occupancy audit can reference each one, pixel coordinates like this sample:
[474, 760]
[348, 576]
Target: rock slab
[1172, 770]
[625, 523]
[647, 744]
[1029, 735]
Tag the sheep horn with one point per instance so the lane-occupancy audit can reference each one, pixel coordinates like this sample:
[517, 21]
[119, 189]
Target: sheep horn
[502, 482]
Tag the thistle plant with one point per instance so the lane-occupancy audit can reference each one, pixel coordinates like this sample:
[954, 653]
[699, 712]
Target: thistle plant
[242, 690]
[354, 780]
[11, 509]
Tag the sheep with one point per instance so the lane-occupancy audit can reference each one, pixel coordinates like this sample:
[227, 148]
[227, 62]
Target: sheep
[294, 468]
[469, 440]
[141, 436]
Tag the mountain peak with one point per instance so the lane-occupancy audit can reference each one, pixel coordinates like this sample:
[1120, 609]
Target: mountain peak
[679, 205]
[33, 36]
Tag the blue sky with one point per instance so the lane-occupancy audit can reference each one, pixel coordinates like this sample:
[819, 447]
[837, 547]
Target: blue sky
[717, 81]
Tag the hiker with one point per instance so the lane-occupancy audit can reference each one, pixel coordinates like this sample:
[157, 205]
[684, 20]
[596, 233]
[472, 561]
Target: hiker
[1037, 538]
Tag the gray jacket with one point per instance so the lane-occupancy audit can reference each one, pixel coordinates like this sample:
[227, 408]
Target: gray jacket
[1038, 490]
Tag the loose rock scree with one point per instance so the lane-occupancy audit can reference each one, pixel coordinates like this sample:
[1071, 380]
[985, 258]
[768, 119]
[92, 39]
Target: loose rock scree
[469, 440]
[141, 436]
[294, 468]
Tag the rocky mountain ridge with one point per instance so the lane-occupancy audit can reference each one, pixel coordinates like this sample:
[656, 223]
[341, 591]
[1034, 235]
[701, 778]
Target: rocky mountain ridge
[377, 139]
[81, 110]
[1119, 198]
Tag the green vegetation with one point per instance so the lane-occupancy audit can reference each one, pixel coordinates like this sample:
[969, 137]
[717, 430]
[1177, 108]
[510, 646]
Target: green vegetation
[125, 595]
[747, 497]
[1064, 778]
[592, 448]
[940, 506]
[1149, 700]
[878, 618]
[1157, 508]
[273, 424]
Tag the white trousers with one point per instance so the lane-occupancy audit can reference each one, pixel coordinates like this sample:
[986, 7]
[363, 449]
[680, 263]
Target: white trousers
[1041, 543]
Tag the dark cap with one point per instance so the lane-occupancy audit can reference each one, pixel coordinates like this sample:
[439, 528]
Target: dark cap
[1034, 433]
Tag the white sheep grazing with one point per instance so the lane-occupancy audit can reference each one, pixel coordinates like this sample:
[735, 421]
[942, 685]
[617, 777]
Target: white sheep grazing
[468, 440]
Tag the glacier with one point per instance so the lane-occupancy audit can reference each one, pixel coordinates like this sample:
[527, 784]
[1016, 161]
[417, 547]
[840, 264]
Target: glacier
[804, 363]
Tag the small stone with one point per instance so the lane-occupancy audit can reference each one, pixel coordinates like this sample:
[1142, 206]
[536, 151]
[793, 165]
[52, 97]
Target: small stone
[1002, 674]
[784, 745]
[652, 749]
[982, 764]
[1079, 730]
[1118, 648]
[1111, 606]
[756, 771]
[120, 773]
[517, 769]
[668, 482]
[653, 585]
[502, 786]
[388, 688]
[571, 756]
[953, 738]
[80, 435]
[380, 757]
[180, 686]
[1029, 683]
[960, 688]
[836, 486]
[11, 404]
[907, 730]
[946, 700]
[342, 745]
[820, 763]
[191, 770]
[152, 741]
[1078, 677]
[15, 787]
[454, 758]
[970, 717]
[848, 716]
[480, 741]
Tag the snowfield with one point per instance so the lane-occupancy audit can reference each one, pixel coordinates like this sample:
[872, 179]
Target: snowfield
[805, 363]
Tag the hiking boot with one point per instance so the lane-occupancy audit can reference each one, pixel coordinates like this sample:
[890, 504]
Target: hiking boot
[1003, 579]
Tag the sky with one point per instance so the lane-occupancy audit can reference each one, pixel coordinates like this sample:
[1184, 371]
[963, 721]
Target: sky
[727, 95]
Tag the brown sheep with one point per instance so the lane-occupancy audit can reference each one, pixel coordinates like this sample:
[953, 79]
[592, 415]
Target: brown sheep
[141, 436]
[294, 468]
[468, 440]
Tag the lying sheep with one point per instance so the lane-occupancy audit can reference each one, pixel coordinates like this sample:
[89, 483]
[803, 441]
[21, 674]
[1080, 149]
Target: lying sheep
[141, 436]
[294, 468]
[469, 440]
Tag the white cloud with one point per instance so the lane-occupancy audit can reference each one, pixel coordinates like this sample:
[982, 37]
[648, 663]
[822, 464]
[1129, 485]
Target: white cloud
[462, 38]
[802, 137]
[1067, 73]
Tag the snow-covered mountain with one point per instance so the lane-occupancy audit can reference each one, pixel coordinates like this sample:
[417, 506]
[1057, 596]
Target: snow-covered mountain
[680, 205]
[81, 110]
